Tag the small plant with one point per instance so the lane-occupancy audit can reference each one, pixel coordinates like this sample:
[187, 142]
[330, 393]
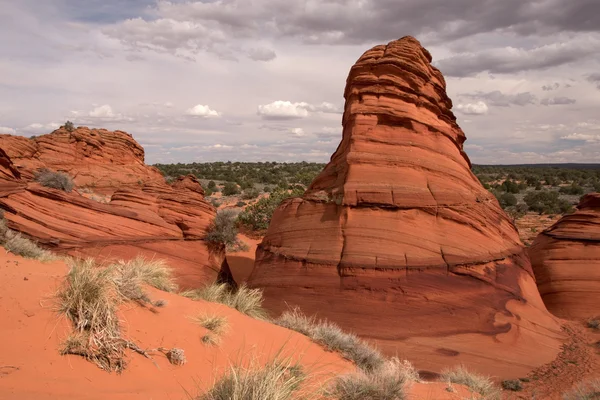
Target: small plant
[210, 339]
[584, 391]
[214, 323]
[250, 193]
[69, 126]
[223, 230]
[17, 244]
[594, 323]
[389, 381]
[277, 380]
[331, 336]
[54, 180]
[230, 189]
[245, 300]
[477, 383]
[512, 384]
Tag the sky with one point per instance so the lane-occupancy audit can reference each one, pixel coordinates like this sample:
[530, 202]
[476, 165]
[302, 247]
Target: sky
[263, 80]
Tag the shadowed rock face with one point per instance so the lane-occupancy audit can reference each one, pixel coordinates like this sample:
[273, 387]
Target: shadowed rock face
[397, 241]
[566, 262]
[138, 213]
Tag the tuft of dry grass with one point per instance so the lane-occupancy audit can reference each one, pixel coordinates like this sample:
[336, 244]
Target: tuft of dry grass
[477, 383]
[277, 380]
[388, 382]
[215, 323]
[17, 244]
[151, 272]
[210, 339]
[584, 391]
[245, 300]
[333, 338]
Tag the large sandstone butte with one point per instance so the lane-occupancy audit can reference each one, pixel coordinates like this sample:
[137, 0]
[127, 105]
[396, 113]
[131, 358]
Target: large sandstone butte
[397, 241]
[120, 207]
[566, 262]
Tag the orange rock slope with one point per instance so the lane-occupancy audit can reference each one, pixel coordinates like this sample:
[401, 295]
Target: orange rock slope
[397, 240]
[566, 262]
[131, 209]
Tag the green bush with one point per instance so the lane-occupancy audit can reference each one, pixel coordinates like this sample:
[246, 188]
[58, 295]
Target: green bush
[250, 193]
[69, 126]
[223, 229]
[506, 199]
[258, 216]
[230, 189]
[547, 202]
[574, 190]
[54, 180]
[212, 185]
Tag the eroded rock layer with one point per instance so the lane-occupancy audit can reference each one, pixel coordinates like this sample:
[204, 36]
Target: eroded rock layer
[397, 241]
[566, 262]
[120, 207]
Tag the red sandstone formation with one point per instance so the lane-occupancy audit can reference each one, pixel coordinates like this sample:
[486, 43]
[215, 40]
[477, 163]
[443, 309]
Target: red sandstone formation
[397, 241]
[566, 262]
[142, 214]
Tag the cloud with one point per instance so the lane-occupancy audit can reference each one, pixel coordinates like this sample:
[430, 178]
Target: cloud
[36, 127]
[477, 108]
[280, 109]
[553, 101]
[200, 110]
[588, 138]
[299, 132]
[104, 111]
[547, 88]
[507, 60]
[594, 78]
[261, 54]
[499, 99]
[10, 131]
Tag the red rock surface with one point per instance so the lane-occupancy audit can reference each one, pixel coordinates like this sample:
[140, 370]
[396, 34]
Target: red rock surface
[397, 241]
[139, 214]
[566, 262]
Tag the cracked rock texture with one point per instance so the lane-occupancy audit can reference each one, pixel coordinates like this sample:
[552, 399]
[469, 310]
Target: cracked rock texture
[566, 262]
[397, 241]
[120, 207]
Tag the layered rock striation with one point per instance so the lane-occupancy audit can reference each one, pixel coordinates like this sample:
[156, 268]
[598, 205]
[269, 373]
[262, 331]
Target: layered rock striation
[120, 207]
[397, 241]
[566, 262]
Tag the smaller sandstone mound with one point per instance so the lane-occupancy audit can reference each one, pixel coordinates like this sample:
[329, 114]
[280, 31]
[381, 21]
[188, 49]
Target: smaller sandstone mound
[120, 207]
[566, 262]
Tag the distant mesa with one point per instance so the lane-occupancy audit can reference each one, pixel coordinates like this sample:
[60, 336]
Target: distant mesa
[566, 262]
[120, 206]
[397, 241]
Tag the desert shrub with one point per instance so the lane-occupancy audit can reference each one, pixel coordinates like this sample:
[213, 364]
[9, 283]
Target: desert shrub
[593, 323]
[388, 382]
[69, 126]
[547, 202]
[212, 185]
[277, 380]
[573, 189]
[54, 180]
[584, 391]
[89, 297]
[258, 216]
[250, 193]
[215, 203]
[477, 383]
[240, 204]
[245, 300]
[266, 189]
[506, 199]
[331, 336]
[223, 229]
[509, 186]
[513, 384]
[215, 323]
[15, 243]
[208, 192]
[230, 189]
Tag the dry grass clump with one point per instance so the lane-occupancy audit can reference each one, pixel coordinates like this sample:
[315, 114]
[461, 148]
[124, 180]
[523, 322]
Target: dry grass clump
[15, 243]
[216, 324]
[331, 336]
[277, 380]
[89, 298]
[388, 382]
[245, 300]
[55, 180]
[477, 383]
[584, 391]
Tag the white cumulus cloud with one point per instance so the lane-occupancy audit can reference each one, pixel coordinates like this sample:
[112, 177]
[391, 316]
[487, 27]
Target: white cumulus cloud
[281, 109]
[477, 108]
[104, 111]
[200, 110]
[10, 131]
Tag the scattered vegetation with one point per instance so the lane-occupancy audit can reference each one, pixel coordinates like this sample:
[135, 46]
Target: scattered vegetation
[16, 243]
[584, 391]
[245, 300]
[277, 380]
[230, 189]
[513, 384]
[331, 336]
[54, 180]
[89, 298]
[477, 383]
[69, 126]
[258, 216]
[389, 381]
[223, 230]
[547, 202]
